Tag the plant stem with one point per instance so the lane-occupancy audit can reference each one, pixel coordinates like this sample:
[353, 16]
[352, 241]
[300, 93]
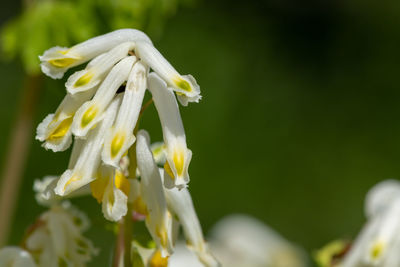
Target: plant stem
[17, 153]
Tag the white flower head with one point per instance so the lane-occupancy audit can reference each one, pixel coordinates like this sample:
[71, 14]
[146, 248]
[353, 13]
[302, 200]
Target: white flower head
[120, 137]
[55, 129]
[180, 204]
[96, 70]
[184, 85]
[85, 167]
[57, 60]
[158, 220]
[91, 112]
[111, 188]
[240, 240]
[58, 239]
[177, 154]
[15, 257]
[379, 241]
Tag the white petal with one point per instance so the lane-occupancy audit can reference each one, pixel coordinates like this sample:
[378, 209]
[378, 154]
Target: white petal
[15, 257]
[180, 203]
[157, 221]
[90, 156]
[95, 71]
[182, 84]
[55, 129]
[57, 60]
[91, 112]
[177, 153]
[120, 137]
[381, 196]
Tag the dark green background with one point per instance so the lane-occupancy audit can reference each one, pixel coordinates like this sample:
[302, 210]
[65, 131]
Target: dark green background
[299, 115]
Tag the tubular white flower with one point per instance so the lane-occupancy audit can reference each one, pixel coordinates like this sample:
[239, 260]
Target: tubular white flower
[182, 84]
[91, 112]
[180, 204]
[94, 73]
[16, 257]
[120, 137]
[177, 153]
[111, 188]
[88, 161]
[158, 220]
[57, 60]
[55, 129]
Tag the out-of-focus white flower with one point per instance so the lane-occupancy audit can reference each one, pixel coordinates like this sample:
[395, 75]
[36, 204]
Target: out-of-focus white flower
[91, 112]
[89, 158]
[57, 60]
[177, 154]
[239, 240]
[184, 85]
[120, 137]
[57, 239]
[15, 257]
[180, 204]
[378, 243]
[158, 220]
[111, 188]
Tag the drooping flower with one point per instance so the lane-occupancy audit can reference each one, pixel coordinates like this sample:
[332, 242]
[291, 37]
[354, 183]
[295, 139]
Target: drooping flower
[158, 220]
[57, 60]
[177, 154]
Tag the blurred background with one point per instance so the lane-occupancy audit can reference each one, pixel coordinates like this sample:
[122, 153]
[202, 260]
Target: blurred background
[299, 116]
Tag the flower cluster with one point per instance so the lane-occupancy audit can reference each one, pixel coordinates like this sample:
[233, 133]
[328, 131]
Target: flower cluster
[112, 159]
[54, 240]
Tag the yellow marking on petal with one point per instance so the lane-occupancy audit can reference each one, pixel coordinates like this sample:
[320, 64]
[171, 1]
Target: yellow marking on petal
[168, 169]
[84, 79]
[157, 260]
[117, 143]
[179, 161]
[162, 234]
[182, 84]
[62, 62]
[89, 115]
[98, 188]
[140, 206]
[71, 180]
[377, 250]
[61, 130]
[121, 182]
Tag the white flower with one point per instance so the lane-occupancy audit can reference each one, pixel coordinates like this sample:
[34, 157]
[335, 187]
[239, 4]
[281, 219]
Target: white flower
[57, 238]
[55, 129]
[378, 243]
[240, 240]
[180, 203]
[111, 188]
[57, 60]
[96, 70]
[120, 137]
[91, 112]
[184, 85]
[177, 153]
[85, 166]
[15, 257]
[158, 220]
